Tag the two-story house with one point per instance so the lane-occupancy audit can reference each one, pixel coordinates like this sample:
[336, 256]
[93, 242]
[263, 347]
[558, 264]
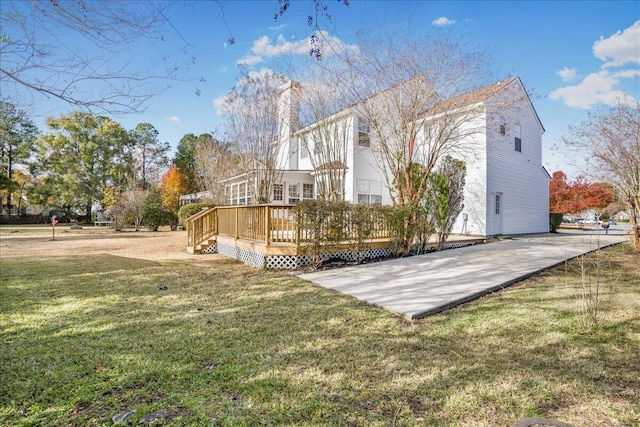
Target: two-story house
[500, 141]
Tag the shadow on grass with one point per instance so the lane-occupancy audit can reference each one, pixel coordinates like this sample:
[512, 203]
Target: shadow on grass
[226, 344]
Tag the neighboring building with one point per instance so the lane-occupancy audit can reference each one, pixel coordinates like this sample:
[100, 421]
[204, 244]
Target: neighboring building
[200, 197]
[507, 188]
[621, 216]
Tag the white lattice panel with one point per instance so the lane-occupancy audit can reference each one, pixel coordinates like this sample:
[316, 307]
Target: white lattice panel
[211, 249]
[248, 257]
[292, 262]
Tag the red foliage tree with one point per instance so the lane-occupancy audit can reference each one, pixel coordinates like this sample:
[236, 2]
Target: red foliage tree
[577, 196]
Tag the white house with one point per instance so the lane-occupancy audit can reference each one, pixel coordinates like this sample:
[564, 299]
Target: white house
[507, 188]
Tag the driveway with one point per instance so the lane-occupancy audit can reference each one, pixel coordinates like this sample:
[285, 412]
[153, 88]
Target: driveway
[422, 285]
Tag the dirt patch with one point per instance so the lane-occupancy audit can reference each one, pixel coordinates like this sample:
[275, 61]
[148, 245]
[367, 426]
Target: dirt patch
[162, 245]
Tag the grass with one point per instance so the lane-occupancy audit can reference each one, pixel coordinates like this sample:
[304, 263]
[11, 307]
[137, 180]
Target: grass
[85, 338]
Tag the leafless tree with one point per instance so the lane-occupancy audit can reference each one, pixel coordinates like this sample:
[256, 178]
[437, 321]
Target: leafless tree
[251, 112]
[215, 161]
[325, 141]
[83, 52]
[610, 139]
[128, 209]
[405, 88]
[422, 98]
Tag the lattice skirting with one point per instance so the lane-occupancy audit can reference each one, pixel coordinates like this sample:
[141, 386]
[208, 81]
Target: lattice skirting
[213, 249]
[248, 257]
[293, 262]
[456, 245]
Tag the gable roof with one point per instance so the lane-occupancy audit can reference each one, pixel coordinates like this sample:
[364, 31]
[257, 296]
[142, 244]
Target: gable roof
[470, 98]
[480, 95]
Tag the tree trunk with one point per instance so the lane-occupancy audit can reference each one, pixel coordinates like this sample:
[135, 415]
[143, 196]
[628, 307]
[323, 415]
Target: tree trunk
[88, 211]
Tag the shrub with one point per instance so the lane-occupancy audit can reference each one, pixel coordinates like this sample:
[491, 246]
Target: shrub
[191, 209]
[153, 213]
[326, 225]
[555, 219]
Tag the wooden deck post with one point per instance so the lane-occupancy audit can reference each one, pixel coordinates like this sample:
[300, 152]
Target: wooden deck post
[236, 232]
[267, 224]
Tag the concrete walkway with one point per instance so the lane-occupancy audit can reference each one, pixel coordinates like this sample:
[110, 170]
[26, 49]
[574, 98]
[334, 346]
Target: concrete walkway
[421, 285]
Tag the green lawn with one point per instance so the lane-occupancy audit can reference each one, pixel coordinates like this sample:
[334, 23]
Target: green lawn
[85, 338]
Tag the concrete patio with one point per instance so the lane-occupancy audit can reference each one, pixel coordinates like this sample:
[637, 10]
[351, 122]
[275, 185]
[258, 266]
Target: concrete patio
[419, 286]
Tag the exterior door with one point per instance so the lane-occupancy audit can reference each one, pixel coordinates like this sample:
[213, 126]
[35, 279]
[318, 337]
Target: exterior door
[497, 220]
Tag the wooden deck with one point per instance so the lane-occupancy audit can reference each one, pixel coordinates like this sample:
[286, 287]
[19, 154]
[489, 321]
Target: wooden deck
[267, 235]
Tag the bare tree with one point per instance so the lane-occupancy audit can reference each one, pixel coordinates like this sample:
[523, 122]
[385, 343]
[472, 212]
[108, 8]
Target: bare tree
[611, 139]
[251, 112]
[421, 99]
[128, 209]
[325, 141]
[82, 52]
[215, 161]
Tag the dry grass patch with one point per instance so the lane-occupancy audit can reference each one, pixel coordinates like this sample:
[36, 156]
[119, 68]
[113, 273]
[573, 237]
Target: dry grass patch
[87, 336]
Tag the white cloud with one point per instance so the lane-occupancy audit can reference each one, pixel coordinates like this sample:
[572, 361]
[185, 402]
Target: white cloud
[174, 119]
[443, 21]
[627, 74]
[567, 74]
[620, 48]
[264, 48]
[250, 60]
[595, 88]
[223, 102]
[620, 51]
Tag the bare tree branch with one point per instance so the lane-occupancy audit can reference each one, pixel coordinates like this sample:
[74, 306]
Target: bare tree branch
[83, 52]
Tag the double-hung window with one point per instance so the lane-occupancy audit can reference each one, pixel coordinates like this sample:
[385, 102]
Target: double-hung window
[369, 192]
[307, 191]
[294, 193]
[364, 129]
[278, 192]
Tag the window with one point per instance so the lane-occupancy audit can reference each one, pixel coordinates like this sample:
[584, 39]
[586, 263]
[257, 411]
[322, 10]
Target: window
[242, 193]
[369, 192]
[307, 191]
[317, 143]
[278, 192]
[518, 131]
[518, 145]
[304, 147]
[294, 193]
[498, 198]
[363, 132]
[503, 125]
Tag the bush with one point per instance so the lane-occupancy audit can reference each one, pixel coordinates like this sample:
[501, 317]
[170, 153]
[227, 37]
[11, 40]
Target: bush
[153, 213]
[555, 219]
[191, 209]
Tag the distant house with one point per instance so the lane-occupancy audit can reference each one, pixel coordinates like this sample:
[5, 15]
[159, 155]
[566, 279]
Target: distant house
[507, 188]
[621, 216]
[199, 197]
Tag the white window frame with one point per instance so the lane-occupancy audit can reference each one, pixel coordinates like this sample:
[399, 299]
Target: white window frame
[369, 192]
[276, 192]
[364, 132]
[293, 198]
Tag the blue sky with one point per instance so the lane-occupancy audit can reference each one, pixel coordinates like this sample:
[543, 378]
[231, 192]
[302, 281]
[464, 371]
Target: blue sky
[574, 55]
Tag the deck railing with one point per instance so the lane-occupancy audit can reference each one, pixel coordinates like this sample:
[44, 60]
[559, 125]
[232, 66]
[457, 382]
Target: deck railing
[270, 224]
[201, 226]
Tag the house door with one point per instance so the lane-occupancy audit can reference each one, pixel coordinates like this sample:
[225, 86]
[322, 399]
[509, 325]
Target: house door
[497, 220]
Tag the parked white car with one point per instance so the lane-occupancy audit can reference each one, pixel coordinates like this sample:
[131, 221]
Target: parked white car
[590, 222]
